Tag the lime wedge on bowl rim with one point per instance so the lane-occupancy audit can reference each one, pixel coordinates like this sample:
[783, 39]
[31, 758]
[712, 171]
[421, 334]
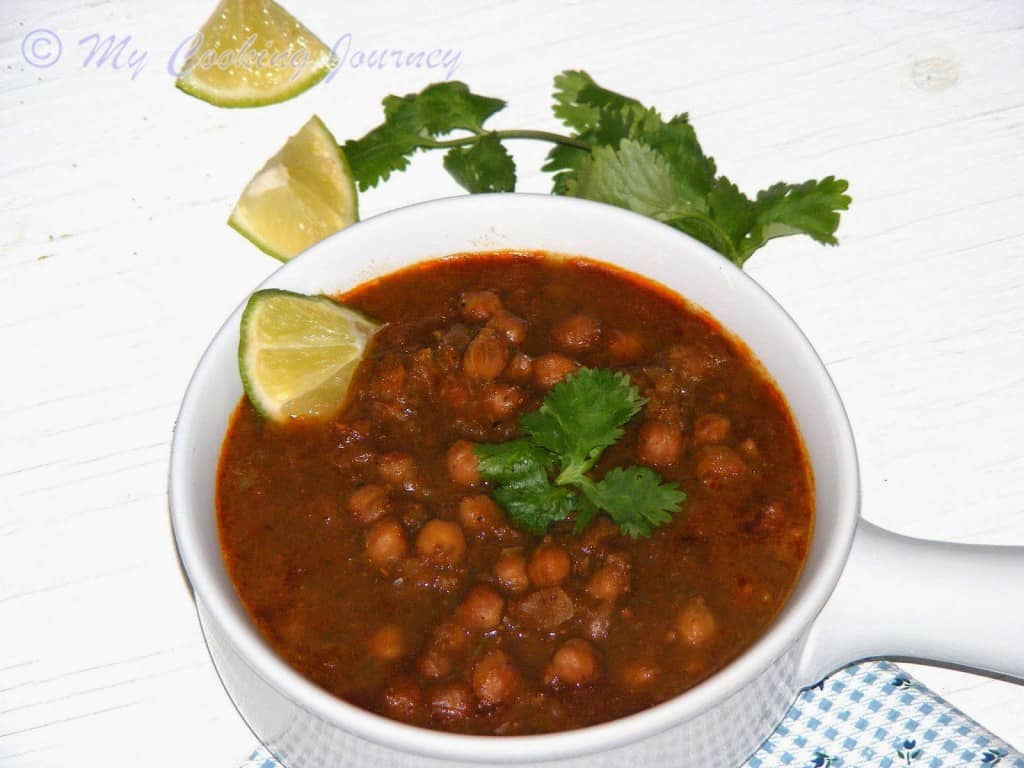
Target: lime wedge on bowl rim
[303, 194]
[297, 354]
[252, 53]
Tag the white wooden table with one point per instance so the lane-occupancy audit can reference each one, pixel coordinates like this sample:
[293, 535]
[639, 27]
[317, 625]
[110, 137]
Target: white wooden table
[116, 267]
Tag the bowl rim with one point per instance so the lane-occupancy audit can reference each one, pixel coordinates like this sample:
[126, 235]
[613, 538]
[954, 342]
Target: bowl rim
[276, 673]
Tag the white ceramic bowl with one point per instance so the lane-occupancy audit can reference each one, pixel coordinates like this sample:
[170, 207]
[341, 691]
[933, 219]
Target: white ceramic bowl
[827, 621]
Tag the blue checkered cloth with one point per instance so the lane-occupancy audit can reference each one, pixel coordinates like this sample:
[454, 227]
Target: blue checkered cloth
[869, 714]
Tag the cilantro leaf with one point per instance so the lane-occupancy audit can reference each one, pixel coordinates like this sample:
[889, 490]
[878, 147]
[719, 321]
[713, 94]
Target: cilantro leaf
[516, 462]
[602, 118]
[733, 211]
[440, 108]
[676, 141]
[635, 498]
[810, 208]
[535, 508]
[579, 101]
[519, 470]
[581, 416]
[567, 107]
[729, 219]
[617, 125]
[485, 166]
[378, 154]
[412, 122]
[640, 162]
[656, 167]
[635, 177]
[704, 229]
[564, 161]
[736, 226]
[585, 513]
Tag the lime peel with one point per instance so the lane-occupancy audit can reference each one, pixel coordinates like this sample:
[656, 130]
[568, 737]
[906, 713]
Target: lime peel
[251, 53]
[301, 195]
[297, 354]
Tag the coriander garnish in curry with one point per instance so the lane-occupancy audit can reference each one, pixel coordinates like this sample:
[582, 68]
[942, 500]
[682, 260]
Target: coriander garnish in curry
[491, 535]
[580, 417]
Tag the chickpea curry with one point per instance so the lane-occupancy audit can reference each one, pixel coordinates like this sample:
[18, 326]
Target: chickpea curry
[380, 559]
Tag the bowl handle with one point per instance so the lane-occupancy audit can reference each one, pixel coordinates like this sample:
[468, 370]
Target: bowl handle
[932, 601]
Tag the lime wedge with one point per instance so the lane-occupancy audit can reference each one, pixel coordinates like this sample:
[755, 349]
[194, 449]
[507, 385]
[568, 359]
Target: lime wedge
[252, 53]
[297, 353]
[303, 194]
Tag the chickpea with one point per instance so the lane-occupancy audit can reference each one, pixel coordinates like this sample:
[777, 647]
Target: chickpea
[573, 664]
[434, 664]
[519, 368]
[692, 362]
[388, 381]
[510, 571]
[386, 542]
[576, 332]
[396, 468]
[550, 369]
[545, 609]
[368, 504]
[695, 624]
[598, 532]
[625, 347]
[638, 674]
[480, 515]
[481, 609]
[478, 306]
[451, 636]
[513, 326]
[659, 444]
[486, 355]
[441, 542]
[387, 643]
[462, 465]
[549, 566]
[719, 466]
[711, 428]
[451, 701]
[403, 699]
[503, 400]
[495, 678]
[610, 581]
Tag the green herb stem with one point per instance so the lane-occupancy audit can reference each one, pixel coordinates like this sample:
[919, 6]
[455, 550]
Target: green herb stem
[525, 133]
[572, 473]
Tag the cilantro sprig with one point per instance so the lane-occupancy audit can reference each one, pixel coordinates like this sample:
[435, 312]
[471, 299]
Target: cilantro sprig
[618, 151]
[582, 416]
[542, 478]
[519, 471]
